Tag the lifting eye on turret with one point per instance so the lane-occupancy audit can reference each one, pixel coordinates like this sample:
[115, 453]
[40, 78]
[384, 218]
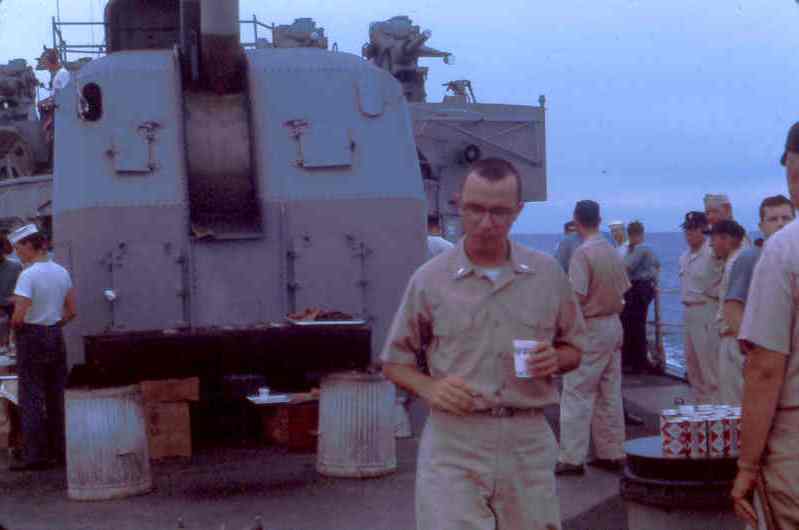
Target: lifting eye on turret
[91, 102]
[472, 153]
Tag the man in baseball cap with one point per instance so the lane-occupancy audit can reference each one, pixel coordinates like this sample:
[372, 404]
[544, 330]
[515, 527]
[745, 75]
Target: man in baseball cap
[700, 275]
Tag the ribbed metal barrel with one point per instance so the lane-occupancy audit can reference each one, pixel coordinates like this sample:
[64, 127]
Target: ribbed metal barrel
[107, 454]
[356, 426]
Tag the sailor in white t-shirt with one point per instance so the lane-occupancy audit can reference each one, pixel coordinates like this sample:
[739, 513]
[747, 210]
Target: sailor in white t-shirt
[44, 300]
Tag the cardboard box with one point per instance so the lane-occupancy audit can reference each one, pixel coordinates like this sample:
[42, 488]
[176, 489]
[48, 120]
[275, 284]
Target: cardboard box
[171, 390]
[168, 429]
[293, 426]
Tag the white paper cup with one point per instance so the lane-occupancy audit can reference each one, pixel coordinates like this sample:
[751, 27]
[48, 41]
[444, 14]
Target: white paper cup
[263, 392]
[522, 350]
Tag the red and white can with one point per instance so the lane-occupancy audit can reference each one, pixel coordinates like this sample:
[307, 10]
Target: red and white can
[699, 443]
[720, 436]
[675, 434]
[735, 422]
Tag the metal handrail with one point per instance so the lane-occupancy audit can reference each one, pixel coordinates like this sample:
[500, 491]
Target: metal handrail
[64, 48]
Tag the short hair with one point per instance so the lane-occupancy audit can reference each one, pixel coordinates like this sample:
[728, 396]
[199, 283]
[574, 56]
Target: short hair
[495, 170]
[773, 202]
[51, 56]
[587, 213]
[433, 220]
[38, 241]
[636, 227]
[730, 228]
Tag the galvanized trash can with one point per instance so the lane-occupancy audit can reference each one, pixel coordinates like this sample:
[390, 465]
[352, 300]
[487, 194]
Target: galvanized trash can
[356, 426]
[669, 494]
[107, 453]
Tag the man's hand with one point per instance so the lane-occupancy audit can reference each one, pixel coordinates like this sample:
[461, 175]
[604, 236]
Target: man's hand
[451, 394]
[543, 362]
[742, 493]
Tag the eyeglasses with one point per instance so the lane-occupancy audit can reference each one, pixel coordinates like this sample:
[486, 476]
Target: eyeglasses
[499, 214]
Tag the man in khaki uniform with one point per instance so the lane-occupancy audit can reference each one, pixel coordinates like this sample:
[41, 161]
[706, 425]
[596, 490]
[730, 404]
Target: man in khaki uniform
[770, 338]
[700, 277]
[727, 237]
[591, 403]
[487, 453]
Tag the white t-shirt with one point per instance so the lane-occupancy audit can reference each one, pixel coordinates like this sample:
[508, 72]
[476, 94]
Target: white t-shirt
[436, 245]
[46, 284]
[60, 80]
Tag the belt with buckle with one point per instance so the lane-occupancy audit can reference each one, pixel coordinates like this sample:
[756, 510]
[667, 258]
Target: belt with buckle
[503, 412]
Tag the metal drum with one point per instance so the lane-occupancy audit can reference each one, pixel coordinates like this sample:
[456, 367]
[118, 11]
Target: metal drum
[107, 454]
[669, 493]
[356, 426]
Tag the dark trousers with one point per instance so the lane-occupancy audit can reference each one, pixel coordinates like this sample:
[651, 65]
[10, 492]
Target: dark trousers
[42, 370]
[633, 320]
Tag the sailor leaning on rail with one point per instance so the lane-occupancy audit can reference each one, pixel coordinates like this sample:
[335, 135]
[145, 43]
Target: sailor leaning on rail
[769, 461]
[44, 301]
[487, 454]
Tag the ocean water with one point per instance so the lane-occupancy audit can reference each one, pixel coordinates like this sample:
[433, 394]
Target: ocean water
[668, 246]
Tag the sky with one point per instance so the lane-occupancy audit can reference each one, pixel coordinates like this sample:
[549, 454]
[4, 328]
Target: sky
[651, 104]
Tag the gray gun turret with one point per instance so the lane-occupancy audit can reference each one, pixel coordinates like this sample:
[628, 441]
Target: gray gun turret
[397, 45]
[22, 145]
[303, 33]
[17, 91]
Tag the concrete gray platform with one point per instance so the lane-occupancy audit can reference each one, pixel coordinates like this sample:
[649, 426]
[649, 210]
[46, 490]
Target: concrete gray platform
[227, 487]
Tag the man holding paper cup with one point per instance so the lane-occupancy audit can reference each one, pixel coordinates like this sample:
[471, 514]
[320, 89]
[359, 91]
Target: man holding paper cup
[591, 404]
[487, 454]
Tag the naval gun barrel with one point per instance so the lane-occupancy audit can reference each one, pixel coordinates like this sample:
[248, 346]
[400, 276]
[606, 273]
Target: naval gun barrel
[222, 57]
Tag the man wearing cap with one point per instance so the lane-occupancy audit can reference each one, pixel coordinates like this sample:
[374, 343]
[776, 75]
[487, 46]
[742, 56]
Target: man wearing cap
[44, 301]
[727, 238]
[769, 460]
[700, 276]
[619, 235]
[642, 270]
[487, 453]
[591, 402]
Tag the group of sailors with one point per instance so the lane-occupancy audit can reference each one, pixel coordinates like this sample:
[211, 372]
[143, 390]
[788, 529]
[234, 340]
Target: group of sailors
[487, 456]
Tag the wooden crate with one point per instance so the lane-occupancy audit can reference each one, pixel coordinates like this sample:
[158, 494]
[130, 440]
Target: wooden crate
[171, 390]
[292, 425]
[168, 429]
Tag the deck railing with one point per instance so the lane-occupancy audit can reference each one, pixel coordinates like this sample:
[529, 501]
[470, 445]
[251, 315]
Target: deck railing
[67, 49]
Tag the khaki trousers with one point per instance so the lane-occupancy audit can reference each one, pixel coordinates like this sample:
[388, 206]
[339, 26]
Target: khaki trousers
[731, 371]
[591, 403]
[484, 473]
[781, 470]
[702, 350]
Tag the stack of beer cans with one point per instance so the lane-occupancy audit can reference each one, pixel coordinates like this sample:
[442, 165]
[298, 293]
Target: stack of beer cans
[701, 431]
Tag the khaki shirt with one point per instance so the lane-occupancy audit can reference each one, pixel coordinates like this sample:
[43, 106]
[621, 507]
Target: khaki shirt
[465, 324]
[597, 272]
[770, 319]
[700, 275]
[724, 285]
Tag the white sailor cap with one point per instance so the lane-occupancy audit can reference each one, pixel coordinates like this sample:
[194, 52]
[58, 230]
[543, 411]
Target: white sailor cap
[614, 224]
[716, 199]
[21, 233]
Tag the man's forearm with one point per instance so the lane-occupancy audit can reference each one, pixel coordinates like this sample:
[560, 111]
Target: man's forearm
[568, 358]
[733, 315]
[763, 378]
[408, 377]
